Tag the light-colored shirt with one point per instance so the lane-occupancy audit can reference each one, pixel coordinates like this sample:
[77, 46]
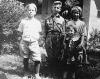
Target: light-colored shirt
[30, 29]
[79, 27]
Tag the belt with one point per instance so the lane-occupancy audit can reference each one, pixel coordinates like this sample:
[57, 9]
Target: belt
[54, 33]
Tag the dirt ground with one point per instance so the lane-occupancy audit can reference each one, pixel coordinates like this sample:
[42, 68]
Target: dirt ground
[11, 67]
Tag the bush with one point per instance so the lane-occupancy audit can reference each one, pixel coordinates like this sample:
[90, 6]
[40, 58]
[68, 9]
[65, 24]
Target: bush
[11, 11]
[94, 41]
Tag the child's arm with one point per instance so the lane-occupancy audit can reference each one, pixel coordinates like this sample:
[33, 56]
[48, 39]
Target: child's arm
[20, 30]
[41, 39]
[84, 34]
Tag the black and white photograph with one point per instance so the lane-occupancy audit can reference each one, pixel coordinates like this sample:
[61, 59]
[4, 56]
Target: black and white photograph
[49, 39]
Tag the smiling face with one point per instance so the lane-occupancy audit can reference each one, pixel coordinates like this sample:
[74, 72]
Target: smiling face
[56, 9]
[76, 14]
[31, 10]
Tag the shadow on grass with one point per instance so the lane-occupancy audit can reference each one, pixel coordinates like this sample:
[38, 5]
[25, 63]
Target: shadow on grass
[18, 71]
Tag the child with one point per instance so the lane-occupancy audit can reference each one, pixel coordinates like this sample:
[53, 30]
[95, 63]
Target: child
[31, 33]
[53, 28]
[77, 43]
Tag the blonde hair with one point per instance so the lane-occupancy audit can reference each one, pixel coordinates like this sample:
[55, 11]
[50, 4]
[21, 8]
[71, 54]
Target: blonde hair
[31, 4]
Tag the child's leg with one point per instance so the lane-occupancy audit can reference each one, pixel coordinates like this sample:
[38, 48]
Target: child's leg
[24, 53]
[36, 57]
[25, 63]
[37, 67]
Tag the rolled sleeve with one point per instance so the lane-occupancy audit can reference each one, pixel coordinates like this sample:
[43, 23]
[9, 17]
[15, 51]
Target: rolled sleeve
[20, 28]
[84, 30]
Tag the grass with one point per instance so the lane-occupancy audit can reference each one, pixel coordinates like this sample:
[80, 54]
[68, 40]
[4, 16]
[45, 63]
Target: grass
[11, 66]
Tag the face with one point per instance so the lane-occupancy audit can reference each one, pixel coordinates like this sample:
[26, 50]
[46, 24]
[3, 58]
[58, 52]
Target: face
[31, 11]
[70, 30]
[76, 14]
[56, 8]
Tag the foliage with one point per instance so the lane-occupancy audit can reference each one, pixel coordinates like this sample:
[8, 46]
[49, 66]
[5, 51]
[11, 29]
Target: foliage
[11, 11]
[71, 3]
[94, 41]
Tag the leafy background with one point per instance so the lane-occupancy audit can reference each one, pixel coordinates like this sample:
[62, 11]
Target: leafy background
[11, 11]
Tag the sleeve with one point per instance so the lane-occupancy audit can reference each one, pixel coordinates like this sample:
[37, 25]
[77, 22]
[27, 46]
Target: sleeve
[45, 28]
[65, 26]
[40, 27]
[20, 28]
[84, 30]
[84, 36]
[41, 40]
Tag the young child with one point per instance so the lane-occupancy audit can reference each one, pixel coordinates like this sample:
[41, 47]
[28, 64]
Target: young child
[77, 43]
[54, 27]
[30, 28]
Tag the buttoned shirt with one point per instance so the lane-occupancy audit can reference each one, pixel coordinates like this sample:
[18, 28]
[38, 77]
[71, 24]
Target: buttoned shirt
[30, 29]
[55, 23]
[78, 26]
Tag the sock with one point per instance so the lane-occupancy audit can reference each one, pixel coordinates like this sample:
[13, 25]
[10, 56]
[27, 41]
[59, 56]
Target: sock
[25, 62]
[37, 67]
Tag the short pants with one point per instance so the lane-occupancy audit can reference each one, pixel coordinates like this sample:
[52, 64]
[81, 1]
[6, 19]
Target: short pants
[30, 50]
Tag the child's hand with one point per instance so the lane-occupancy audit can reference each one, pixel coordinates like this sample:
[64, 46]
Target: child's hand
[43, 51]
[19, 38]
[41, 43]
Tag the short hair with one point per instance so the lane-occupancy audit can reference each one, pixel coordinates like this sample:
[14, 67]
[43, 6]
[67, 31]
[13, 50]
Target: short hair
[31, 4]
[57, 3]
[77, 9]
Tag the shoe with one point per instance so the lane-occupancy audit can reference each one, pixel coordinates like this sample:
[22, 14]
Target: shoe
[25, 77]
[37, 76]
[28, 77]
[26, 74]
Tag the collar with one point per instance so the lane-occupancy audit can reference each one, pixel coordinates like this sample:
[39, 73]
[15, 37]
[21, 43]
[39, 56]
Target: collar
[55, 15]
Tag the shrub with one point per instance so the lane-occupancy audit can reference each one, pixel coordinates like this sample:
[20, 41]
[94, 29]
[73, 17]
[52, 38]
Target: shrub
[94, 41]
[11, 11]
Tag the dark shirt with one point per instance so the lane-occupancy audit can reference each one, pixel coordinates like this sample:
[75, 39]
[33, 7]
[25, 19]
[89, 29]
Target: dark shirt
[54, 24]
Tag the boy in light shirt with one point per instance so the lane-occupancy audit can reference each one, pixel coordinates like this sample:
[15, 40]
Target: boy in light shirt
[31, 29]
